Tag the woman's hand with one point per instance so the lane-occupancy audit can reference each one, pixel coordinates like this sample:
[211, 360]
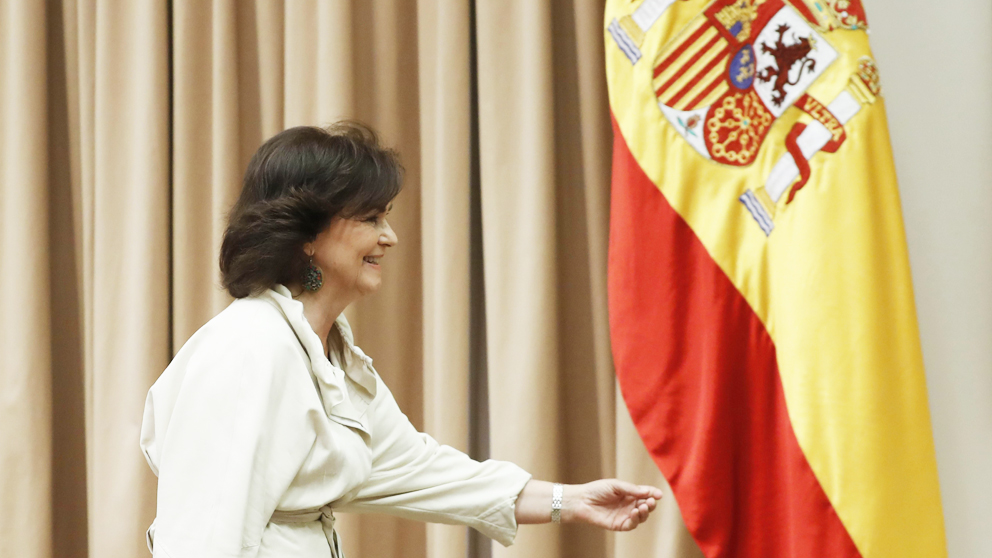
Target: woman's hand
[609, 503]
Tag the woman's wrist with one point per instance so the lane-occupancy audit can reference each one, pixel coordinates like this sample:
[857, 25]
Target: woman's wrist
[572, 503]
[535, 503]
[570, 500]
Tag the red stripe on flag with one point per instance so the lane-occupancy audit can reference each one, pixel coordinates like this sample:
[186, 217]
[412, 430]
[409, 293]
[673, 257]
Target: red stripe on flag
[698, 372]
[685, 67]
[700, 75]
[678, 51]
[709, 89]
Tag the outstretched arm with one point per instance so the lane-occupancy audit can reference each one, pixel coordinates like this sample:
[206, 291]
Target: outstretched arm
[608, 503]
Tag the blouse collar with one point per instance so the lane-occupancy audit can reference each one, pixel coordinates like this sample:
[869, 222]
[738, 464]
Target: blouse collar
[346, 392]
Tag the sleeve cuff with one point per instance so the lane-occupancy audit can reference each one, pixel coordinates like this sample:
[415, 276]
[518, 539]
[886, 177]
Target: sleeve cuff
[499, 523]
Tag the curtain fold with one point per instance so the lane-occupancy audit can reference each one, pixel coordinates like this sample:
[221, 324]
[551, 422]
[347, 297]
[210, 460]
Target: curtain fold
[25, 303]
[595, 140]
[517, 167]
[581, 200]
[69, 472]
[126, 247]
[443, 33]
[207, 160]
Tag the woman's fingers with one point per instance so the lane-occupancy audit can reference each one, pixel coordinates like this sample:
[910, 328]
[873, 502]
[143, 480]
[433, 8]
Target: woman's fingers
[643, 491]
[644, 511]
[628, 488]
[635, 517]
[632, 521]
[650, 492]
[639, 514]
[651, 503]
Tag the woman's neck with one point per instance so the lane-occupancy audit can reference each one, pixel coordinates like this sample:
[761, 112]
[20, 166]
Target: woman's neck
[322, 308]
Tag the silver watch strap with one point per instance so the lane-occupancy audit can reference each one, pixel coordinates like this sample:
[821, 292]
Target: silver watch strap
[556, 493]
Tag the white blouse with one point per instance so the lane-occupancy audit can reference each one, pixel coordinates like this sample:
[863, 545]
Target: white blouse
[256, 438]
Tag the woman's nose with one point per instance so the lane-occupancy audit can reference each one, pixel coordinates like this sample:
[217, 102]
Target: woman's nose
[388, 236]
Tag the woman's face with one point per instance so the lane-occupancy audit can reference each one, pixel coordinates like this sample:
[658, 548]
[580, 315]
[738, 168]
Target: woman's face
[349, 252]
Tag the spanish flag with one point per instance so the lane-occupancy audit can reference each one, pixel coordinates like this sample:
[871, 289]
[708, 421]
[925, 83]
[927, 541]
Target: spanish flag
[761, 307]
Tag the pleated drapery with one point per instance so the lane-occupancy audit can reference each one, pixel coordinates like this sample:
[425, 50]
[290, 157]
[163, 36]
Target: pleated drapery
[125, 127]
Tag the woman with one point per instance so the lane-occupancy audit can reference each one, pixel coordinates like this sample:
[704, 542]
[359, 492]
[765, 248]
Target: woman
[269, 419]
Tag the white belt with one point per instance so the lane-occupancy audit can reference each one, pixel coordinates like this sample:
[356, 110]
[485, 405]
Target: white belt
[326, 517]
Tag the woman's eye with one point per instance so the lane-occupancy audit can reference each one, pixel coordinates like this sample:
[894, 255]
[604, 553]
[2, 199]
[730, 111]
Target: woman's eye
[376, 218]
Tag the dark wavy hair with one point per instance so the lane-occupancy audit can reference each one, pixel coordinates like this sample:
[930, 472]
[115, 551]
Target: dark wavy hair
[294, 185]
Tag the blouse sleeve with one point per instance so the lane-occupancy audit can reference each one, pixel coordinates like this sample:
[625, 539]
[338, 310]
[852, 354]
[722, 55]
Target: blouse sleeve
[231, 442]
[415, 477]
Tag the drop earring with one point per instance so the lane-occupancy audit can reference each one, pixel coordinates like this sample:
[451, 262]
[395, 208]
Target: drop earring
[313, 279]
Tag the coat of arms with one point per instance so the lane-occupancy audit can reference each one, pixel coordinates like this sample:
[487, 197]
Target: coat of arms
[739, 65]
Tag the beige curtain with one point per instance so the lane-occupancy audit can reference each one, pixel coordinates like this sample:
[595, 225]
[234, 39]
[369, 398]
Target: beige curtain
[85, 236]
[124, 129]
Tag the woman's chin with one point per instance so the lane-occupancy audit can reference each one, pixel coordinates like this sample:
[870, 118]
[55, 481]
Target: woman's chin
[369, 286]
